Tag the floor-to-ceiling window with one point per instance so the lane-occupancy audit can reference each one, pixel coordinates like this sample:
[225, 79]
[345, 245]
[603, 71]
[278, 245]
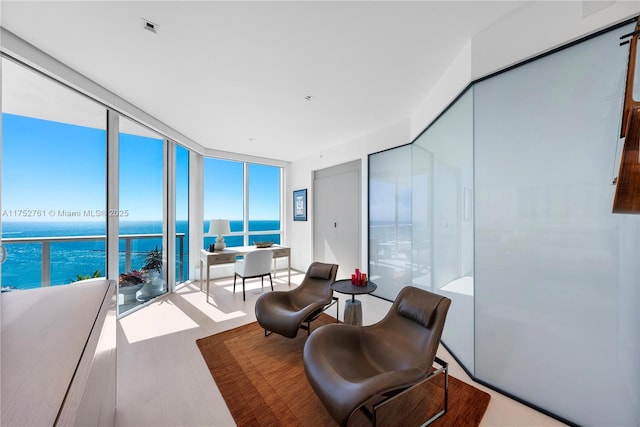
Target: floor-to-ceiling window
[141, 215]
[264, 201]
[249, 195]
[53, 182]
[224, 198]
[54, 192]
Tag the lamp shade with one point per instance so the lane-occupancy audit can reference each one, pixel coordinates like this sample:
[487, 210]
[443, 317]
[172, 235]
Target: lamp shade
[219, 226]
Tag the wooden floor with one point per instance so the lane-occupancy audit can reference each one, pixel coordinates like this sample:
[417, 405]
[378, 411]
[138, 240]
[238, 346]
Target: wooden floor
[163, 380]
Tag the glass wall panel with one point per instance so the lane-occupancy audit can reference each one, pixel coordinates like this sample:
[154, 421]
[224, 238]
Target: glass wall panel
[53, 182]
[264, 186]
[557, 295]
[225, 193]
[224, 198]
[390, 244]
[182, 214]
[442, 211]
[142, 264]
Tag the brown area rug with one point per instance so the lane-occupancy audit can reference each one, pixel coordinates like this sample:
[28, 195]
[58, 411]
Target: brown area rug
[263, 382]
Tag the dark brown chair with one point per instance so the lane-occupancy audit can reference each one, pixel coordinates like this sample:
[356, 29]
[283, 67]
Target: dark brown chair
[284, 312]
[354, 367]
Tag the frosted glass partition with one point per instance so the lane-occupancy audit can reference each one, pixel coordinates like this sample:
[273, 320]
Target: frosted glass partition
[442, 219]
[390, 220]
[503, 204]
[421, 220]
[557, 274]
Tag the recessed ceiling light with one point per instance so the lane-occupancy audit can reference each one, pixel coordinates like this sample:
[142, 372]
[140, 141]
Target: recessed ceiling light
[149, 26]
[309, 97]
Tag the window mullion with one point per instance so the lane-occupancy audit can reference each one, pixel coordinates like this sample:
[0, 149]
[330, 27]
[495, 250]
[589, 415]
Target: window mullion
[246, 204]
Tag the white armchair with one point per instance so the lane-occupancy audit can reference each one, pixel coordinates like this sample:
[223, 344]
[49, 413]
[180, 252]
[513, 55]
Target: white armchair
[255, 264]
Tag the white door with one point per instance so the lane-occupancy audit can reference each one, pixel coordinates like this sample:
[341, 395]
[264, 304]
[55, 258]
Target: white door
[336, 206]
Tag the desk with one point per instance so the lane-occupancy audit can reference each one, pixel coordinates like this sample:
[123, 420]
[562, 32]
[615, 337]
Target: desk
[228, 256]
[353, 307]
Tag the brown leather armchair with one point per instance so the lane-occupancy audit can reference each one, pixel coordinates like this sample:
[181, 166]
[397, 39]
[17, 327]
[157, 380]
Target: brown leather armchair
[284, 312]
[353, 367]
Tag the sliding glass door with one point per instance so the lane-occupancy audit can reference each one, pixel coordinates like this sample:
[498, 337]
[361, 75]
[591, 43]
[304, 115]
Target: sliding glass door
[54, 193]
[53, 182]
[141, 215]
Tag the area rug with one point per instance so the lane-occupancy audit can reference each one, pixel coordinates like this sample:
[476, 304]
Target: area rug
[263, 383]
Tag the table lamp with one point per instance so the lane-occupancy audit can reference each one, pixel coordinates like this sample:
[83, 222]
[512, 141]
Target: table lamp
[219, 227]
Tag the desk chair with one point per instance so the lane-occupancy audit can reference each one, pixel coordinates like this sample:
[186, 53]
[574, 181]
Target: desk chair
[255, 264]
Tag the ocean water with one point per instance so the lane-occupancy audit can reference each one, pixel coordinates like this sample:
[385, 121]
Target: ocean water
[22, 268]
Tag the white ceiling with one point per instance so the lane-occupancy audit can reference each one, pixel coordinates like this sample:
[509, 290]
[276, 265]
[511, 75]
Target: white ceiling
[234, 75]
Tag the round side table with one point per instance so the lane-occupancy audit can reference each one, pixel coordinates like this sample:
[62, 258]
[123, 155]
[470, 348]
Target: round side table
[353, 307]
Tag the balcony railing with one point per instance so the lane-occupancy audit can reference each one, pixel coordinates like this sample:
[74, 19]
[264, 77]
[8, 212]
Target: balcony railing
[46, 249]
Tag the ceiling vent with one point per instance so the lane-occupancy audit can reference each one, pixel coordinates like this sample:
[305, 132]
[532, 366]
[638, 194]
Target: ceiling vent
[149, 26]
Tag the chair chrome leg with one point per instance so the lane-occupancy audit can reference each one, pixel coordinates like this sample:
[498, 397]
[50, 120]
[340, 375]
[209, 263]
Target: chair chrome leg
[243, 296]
[444, 370]
[271, 280]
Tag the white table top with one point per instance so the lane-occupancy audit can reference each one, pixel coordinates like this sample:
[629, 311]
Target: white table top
[44, 332]
[240, 250]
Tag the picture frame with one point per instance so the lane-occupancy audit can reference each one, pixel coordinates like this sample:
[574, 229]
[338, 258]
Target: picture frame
[300, 205]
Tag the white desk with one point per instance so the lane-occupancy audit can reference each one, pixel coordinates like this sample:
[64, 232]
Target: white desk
[228, 256]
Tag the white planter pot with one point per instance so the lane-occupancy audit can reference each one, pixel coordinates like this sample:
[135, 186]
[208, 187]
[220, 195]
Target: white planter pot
[129, 293]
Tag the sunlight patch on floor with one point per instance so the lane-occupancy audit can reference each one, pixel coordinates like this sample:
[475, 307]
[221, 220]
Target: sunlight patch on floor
[148, 324]
[255, 286]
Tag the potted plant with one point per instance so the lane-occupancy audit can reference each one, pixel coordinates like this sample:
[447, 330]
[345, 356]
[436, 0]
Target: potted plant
[153, 261]
[153, 265]
[129, 283]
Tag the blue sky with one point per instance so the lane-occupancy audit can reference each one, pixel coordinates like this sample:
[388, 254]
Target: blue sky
[50, 167]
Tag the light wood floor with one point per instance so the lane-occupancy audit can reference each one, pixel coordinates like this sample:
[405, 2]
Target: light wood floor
[163, 380]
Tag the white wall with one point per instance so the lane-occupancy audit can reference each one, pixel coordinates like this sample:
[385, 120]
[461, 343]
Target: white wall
[543, 26]
[451, 84]
[535, 29]
[300, 233]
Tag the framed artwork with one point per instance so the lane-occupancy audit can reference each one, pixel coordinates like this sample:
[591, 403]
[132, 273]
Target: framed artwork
[300, 205]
